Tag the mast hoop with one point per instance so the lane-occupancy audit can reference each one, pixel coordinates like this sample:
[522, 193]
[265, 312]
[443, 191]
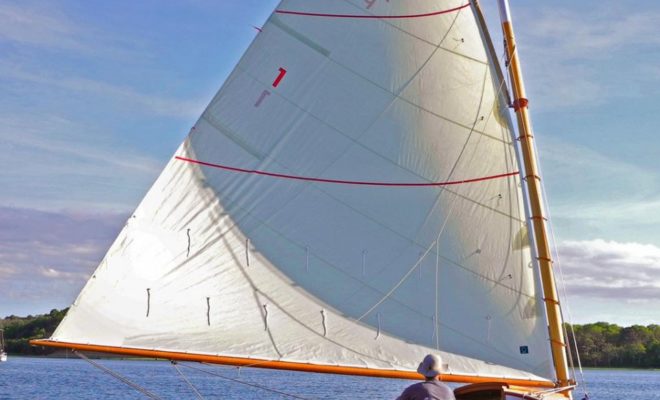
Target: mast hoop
[520, 103]
[558, 343]
[538, 178]
[554, 301]
[546, 259]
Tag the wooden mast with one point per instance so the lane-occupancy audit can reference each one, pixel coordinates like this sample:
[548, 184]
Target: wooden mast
[539, 221]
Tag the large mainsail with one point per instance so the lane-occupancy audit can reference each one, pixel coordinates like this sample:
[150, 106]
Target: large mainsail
[349, 198]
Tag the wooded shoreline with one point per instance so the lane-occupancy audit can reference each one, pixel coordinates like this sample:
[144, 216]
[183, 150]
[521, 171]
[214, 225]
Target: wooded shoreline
[601, 344]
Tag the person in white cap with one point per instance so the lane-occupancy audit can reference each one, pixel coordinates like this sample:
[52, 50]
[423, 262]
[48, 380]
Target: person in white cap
[431, 388]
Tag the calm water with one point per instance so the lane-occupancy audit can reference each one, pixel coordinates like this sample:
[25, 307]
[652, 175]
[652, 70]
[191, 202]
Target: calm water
[40, 378]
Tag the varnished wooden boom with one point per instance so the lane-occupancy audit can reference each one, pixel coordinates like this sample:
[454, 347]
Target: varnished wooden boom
[282, 365]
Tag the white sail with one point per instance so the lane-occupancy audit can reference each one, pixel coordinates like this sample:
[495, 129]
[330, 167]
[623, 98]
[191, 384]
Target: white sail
[300, 220]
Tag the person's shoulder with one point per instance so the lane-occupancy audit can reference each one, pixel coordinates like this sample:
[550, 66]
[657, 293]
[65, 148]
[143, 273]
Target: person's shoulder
[447, 391]
[414, 387]
[411, 390]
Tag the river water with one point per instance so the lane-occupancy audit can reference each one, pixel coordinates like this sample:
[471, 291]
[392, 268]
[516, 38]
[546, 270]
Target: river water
[48, 378]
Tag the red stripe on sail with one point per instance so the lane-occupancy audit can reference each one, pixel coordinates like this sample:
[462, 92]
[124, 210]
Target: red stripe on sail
[340, 181]
[310, 14]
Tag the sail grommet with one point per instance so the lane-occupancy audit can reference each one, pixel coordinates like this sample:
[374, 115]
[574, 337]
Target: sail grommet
[505, 277]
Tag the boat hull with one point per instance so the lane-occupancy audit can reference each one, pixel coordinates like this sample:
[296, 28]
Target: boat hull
[499, 391]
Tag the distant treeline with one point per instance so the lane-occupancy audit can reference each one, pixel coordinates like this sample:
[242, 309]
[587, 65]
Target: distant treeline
[20, 330]
[600, 344]
[608, 345]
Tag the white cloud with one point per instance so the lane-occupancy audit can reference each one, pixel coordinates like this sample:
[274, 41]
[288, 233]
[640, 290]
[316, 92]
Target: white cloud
[574, 58]
[52, 273]
[66, 163]
[59, 136]
[569, 34]
[597, 195]
[6, 271]
[629, 272]
[42, 25]
[46, 257]
[37, 27]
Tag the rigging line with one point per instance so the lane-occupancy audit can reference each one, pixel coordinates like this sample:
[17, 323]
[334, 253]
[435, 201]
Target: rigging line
[192, 387]
[563, 283]
[444, 224]
[388, 294]
[547, 211]
[345, 182]
[460, 155]
[436, 317]
[293, 396]
[395, 300]
[223, 130]
[117, 376]
[396, 94]
[368, 16]
[235, 366]
[554, 390]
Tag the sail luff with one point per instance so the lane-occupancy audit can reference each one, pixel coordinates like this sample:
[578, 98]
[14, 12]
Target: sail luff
[533, 185]
[506, 99]
[285, 365]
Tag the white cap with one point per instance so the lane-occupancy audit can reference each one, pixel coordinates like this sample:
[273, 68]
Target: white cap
[430, 366]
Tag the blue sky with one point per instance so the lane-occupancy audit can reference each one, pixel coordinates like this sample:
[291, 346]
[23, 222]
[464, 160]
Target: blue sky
[96, 96]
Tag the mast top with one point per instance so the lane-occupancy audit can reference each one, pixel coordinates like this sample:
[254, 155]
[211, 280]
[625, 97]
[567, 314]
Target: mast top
[505, 11]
